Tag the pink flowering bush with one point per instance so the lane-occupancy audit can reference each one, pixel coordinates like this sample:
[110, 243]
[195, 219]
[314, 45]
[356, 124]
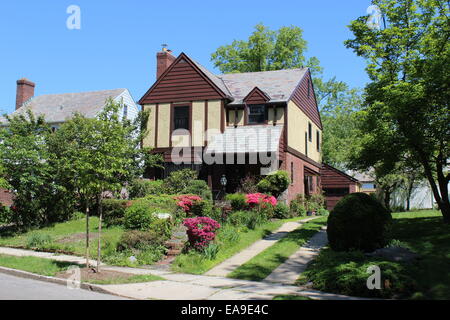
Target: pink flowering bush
[255, 199]
[201, 231]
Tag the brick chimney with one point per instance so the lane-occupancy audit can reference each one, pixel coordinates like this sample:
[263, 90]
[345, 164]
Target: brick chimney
[164, 59]
[25, 91]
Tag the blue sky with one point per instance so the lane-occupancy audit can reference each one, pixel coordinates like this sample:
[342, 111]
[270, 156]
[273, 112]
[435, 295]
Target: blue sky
[118, 40]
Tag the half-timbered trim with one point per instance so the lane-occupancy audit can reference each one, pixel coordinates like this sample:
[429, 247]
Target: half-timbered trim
[156, 124]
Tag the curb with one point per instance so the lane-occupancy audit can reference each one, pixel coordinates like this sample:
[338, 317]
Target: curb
[34, 276]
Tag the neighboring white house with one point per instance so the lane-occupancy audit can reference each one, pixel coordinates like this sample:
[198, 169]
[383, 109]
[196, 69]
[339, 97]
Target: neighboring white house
[58, 108]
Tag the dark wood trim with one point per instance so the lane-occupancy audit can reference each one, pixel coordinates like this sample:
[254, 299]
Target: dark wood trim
[156, 124]
[171, 124]
[303, 157]
[236, 113]
[274, 115]
[222, 116]
[245, 115]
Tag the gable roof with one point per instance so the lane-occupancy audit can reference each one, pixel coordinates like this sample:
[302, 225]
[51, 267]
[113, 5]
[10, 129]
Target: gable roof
[256, 96]
[58, 108]
[339, 172]
[184, 71]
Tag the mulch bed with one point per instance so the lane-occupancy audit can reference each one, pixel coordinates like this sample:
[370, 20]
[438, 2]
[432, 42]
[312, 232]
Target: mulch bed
[90, 274]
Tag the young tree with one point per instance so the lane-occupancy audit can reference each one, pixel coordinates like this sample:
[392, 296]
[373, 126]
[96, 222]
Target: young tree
[407, 103]
[97, 155]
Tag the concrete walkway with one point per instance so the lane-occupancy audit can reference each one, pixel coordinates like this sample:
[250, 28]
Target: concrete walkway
[256, 248]
[289, 271]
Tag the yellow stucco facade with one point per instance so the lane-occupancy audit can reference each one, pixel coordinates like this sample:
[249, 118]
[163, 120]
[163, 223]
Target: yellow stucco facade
[297, 128]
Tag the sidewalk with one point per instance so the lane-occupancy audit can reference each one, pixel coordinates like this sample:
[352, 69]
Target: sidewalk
[227, 266]
[289, 271]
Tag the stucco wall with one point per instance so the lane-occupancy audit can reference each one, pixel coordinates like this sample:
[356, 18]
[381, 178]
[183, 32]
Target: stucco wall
[198, 123]
[297, 126]
[163, 125]
[149, 139]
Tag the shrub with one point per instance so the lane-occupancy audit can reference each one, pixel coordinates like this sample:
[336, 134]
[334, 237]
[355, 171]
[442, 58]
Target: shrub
[297, 206]
[136, 239]
[281, 211]
[248, 184]
[249, 219]
[238, 201]
[38, 240]
[201, 231]
[358, 222]
[140, 188]
[164, 201]
[5, 213]
[139, 216]
[322, 212]
[255, 199]
[178, 180]
[114, 211]
[199, 188]
[274, 184]
[315, 202]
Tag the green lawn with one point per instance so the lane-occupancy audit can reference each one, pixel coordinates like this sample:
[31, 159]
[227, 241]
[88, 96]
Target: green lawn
[195, 263]
[36, 265]
[67, 237]
[260, 266]
[428, 278]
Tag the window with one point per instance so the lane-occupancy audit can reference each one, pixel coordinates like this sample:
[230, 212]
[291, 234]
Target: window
[318, 140]
[368, 186]
[309, 132]
[181, 118]
[257, 114]
[306, 143]
[125, 111]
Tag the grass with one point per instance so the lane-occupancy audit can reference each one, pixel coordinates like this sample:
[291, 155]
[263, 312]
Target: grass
[428, 278]
[36, 265]
[260, 266]
[67, 237]
[195, 263]
[123, 280]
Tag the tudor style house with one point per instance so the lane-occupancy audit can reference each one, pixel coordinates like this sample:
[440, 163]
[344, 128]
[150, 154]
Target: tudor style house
[237, 120]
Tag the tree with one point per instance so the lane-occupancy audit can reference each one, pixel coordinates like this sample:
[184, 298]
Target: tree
[24, 156]
[340, 125]
[97, 155]
[265, 50]
[407, 102]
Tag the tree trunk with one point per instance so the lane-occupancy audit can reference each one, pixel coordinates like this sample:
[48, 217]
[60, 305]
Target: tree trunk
[99, 248]
[387, 200]
[443, 202]
[87, 236]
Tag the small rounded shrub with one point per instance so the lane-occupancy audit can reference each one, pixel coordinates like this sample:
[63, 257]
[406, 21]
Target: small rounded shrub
[274, 184]
[297, 206]
[281, 211]
[139, 216]
[178, 180]
[114, 211]
[358, 222]
[136, 239]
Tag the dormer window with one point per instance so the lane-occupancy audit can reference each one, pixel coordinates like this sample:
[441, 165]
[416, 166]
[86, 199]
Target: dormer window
[257, 114]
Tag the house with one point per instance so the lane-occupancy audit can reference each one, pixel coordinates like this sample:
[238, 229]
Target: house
[57, 108]
[336, 184]
[234, 125]
[367, 180]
